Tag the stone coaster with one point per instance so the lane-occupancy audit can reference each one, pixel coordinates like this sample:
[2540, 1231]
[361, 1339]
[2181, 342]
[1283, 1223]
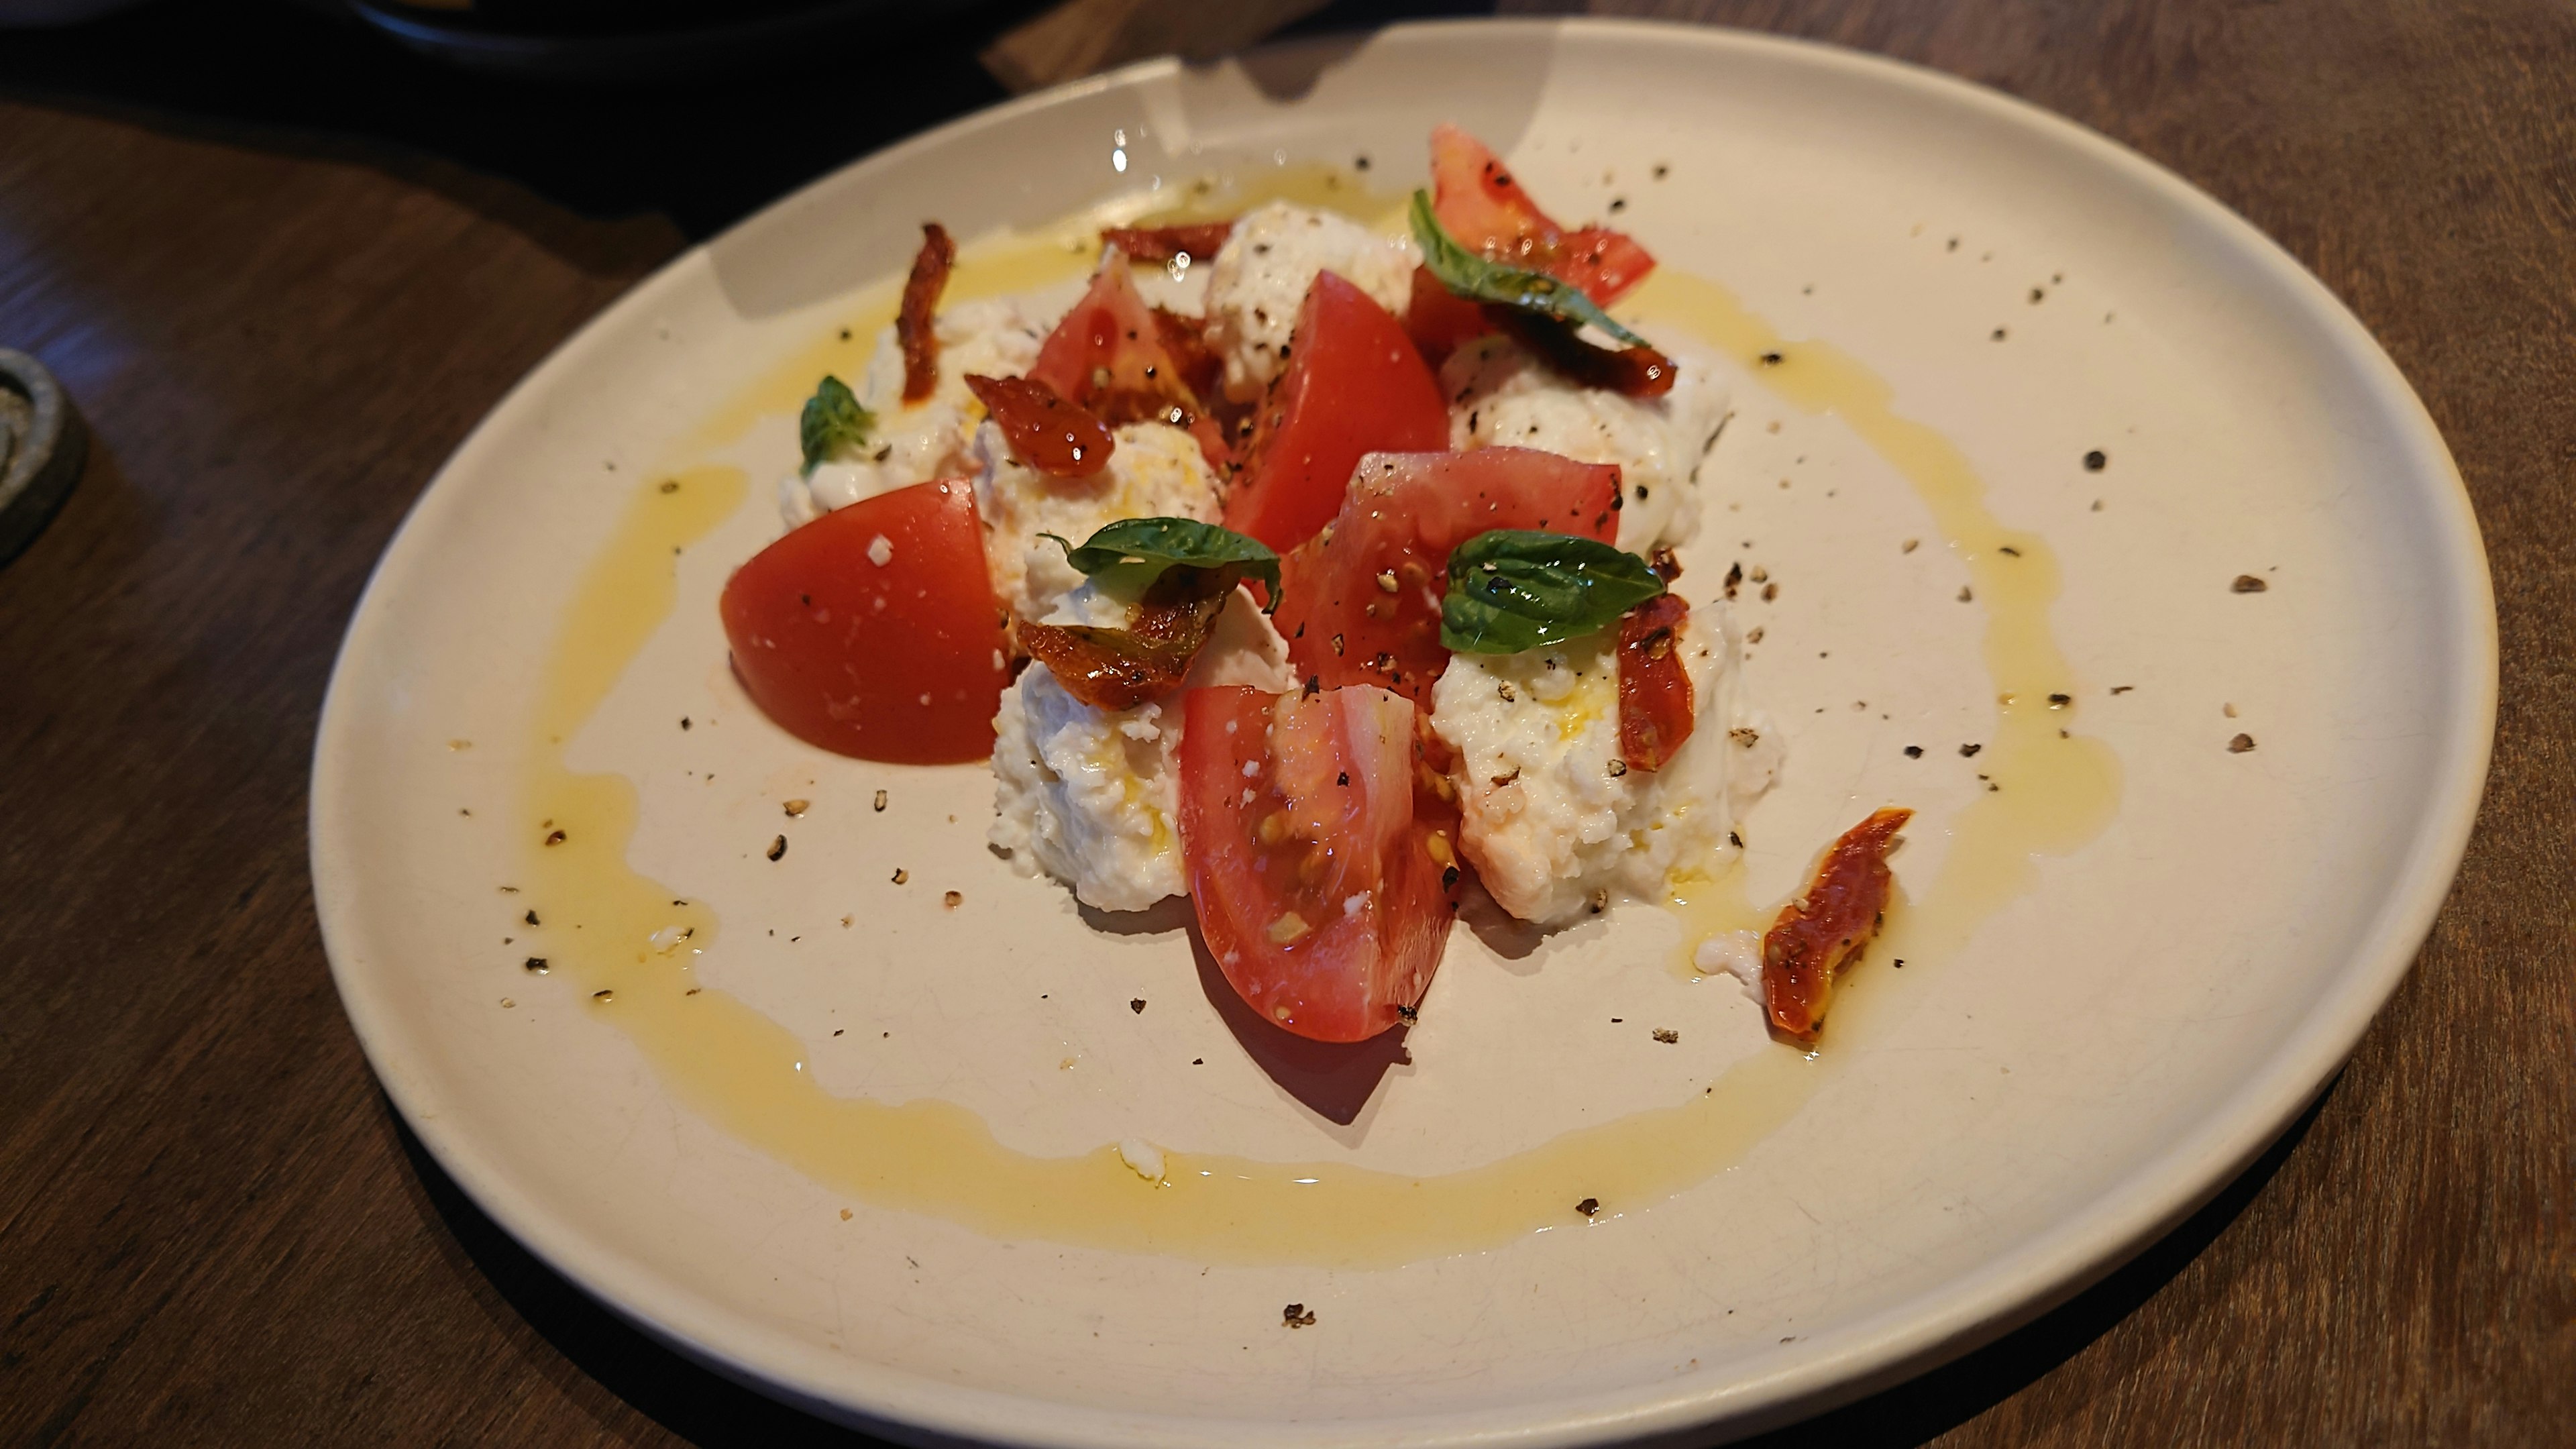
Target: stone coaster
[42, 447]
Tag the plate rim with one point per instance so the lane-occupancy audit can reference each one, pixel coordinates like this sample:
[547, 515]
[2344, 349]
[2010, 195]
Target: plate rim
[1859, 1357]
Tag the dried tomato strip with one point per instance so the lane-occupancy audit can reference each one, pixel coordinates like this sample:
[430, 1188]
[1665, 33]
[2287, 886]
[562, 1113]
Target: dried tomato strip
[913, 325]
[1630, 371]
[1656, 705]
[1150, 658]
[1820, 934]
[1163, 243]
[1058, 438]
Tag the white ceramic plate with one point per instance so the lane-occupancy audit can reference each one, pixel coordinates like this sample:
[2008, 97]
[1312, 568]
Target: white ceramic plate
[2107, 1048]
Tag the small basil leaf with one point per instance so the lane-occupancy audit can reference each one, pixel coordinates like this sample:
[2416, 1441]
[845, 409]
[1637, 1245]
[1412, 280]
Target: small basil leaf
[1481, 279]
[1513, 589]
[1129, 555]
[833, 420]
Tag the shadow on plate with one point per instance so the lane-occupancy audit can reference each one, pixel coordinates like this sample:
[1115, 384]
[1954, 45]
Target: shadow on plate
[710, 1410]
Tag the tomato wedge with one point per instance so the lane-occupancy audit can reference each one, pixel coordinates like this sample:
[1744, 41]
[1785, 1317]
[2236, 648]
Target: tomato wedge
[1318, 836]
[1820, 933]
[1360, 602]
[1354, 385]
[1480, 204]
[1126, 362]
[873, 630]
[1440, 321]
[1656, 706]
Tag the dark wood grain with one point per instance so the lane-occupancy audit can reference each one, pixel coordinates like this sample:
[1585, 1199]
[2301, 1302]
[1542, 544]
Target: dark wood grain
[284, 271]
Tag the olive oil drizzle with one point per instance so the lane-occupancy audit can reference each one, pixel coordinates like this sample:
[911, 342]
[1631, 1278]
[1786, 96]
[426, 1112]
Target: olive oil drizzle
[625, 942]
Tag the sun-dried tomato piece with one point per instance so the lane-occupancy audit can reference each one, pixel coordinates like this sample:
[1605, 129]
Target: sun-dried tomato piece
[1123, 668]
[1656, 706]
[1049, 434]
[913, 325]
[1820, 934]
[1162, 243]
[1630, 371]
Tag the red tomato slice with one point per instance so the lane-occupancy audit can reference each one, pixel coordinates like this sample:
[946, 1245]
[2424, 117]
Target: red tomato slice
[873, 631]
[1325, 878]
[1108, 354]
[1440, 321]
[1354, 385]
[1480, 204]
[1656, 706]
[1360, 602]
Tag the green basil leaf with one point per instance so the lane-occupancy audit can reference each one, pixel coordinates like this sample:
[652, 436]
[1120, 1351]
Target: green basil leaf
[1129, 555]
[1512, 589]
[833, 420]
[1481, 279]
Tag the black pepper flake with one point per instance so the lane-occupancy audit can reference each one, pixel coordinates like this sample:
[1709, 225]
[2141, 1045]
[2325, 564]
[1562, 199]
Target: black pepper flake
[1411, 1013]
[1667, 1035]
[532, 917]
[2008, 551]
[881, 802]
[2248, 584]
[2060, 701]
[555, 837]
[1449, 879]
[1999, 334]
[777, 847]
[537, 965]
[670, 485]
[1297, 1315]
[1914, 752]
[1769, 359]
[1344, 778]
[1137, 1005]
[1969, 751]
[2096, 461]
[2122, 688]
[1735, 839]
[603, 996]
[901, 875]
[1734, 577]
[1900, 963]
[2240, 744]
[684, 721]
[1588, 1206]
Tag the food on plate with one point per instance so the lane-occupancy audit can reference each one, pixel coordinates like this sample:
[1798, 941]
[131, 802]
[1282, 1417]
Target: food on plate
[872, 631]
[1319, 831]
[1331, 591]
[913, 329]
[1356, 385]
[1824, 930]
[1480, 204]
[1258, 284]
[1364, 595]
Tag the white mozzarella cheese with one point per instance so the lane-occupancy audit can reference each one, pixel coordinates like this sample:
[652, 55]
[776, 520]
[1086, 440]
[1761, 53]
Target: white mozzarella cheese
[1500, 395]
[1554, 821]
[934, 438]
[1091, 796]
[1260, 277]
[1156, 471]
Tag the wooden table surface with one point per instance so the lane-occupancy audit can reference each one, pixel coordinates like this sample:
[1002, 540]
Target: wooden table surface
[285, 269]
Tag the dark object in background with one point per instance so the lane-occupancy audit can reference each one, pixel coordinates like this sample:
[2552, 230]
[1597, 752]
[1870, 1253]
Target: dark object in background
[633, 40]
[42, 447]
